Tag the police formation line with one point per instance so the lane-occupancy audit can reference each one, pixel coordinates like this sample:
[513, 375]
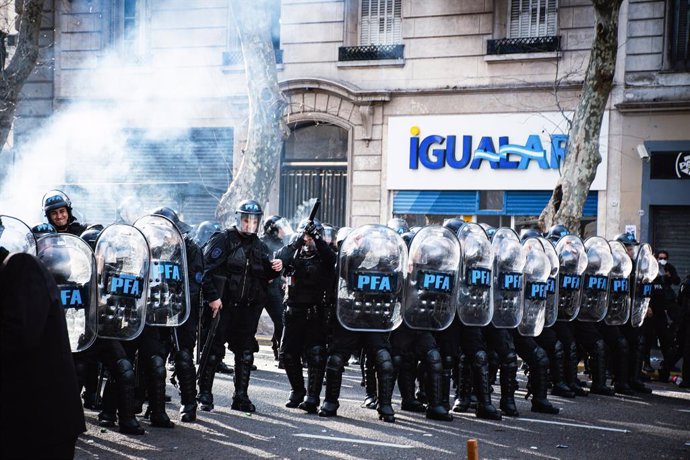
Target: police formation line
[453, 303]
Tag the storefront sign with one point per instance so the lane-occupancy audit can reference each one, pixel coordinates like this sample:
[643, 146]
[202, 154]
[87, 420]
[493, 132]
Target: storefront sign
[516, 151]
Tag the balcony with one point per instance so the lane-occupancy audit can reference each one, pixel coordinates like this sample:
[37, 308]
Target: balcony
[234, 58]
[523, 45]
[370, 53]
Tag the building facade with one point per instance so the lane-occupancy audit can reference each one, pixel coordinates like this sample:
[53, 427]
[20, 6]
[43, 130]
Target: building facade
[425, 109]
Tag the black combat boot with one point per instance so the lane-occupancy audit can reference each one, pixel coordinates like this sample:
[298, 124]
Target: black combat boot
[436, 410]
[448, 364]
[386, 382]
[156, 389]
[184, 369]
[508, 382]
[539, 382]
[316, 358]
[557, 362]
[480, 373]
[635, 363]
[108, 415]
[463, 395]
[621, 365]
[243, 368]
[406, 384]
[370, 384]
[293, 369]
[125, 381]
[570, 370]
[206, 377]
[597, 366]
[334, 379]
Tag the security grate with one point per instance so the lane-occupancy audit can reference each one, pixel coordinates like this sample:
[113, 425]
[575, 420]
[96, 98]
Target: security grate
[523, 45]
[370, 52]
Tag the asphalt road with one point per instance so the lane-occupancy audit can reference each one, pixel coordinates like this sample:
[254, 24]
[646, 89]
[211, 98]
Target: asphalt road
[651, 427]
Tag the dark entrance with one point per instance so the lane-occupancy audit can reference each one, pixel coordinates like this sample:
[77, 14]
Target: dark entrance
[314, 165]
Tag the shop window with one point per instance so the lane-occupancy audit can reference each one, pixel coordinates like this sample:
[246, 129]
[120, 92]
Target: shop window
[379, 31]
[530, 27]
[133, 27]
[679, 35]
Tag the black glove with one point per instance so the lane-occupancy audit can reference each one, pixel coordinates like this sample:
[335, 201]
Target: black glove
[312, 230]
[298, 243]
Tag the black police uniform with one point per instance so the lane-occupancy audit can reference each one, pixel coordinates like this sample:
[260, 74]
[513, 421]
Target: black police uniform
[242, 264]
[305, 319]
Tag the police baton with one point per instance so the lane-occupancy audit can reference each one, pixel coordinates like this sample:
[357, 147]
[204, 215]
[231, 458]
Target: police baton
[206, 351]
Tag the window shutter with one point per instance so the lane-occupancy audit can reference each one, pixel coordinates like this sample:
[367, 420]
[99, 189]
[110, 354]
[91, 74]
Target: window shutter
[533, 18]
[380, 22]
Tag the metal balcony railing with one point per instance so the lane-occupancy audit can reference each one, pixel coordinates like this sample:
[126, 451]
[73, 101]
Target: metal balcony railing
[232, 58]
[523, 45]
[370, 52]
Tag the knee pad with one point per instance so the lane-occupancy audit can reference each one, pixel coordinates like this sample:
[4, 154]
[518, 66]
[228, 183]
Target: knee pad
[183, 356]
[541, 358]
[481, 358]
[383, 361]
[246, 357]
[335, 363]
[125, 371]
[510, 360]
[599, 347]
[449, 362]
[397, 362]
[157, 367]
[316, 356]
[433, 360]
[290, 359]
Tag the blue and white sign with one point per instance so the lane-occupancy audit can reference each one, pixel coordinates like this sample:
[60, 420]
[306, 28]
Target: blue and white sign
[506, 151]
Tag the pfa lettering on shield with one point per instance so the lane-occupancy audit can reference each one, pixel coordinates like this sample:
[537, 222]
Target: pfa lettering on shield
[126, 286]
[374, 282]
[435, 281]
[478, 277]
[510, 281]
[536, 290]
[71, 296]
[570, 282]
[620, 285]
[168, 271]
[596, 283]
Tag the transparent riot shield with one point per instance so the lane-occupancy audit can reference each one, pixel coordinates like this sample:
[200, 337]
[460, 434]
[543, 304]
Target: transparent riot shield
[16, 236]
[432, 271]
[536, 274]
[506, 290]
[474, 281]
[551, 313]
[372, 269]
[572, 260]
[168, 296]
[595, 280]
[646, 270]
[72, 263]
[122, 263]
[618, 311]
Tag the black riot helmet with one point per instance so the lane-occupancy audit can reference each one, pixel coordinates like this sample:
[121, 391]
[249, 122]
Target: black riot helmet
[42, 229]
[171, 215]
[556, 232]
[270, 225]
[55, 199]
[399, 225]
[90, 235]
[248, 215]
[627, 239]
[407, 238]
[328, 234]
[490, 231]
[204, 231]
[529, 233]
[453, 224]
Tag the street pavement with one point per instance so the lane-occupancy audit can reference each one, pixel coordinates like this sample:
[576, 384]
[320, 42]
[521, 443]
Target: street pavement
[644, 427]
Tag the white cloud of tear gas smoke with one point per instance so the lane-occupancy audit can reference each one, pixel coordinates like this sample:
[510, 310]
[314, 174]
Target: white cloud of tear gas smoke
[97, 147]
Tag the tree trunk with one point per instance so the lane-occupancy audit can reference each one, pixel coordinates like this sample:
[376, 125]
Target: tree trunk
[266, 134]
[582, 158]
[12, 77]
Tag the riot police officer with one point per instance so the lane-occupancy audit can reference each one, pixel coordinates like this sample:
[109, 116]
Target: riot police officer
[310, 266]
[241, 265]
[57, 208]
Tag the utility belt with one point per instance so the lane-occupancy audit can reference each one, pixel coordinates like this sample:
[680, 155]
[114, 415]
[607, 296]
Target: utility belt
[307, 311]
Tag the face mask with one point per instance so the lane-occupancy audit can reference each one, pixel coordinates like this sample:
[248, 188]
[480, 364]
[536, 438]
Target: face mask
[662, 262]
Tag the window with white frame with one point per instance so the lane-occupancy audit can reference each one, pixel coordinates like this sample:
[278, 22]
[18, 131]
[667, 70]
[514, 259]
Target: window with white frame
[380, 22]
[532, 18]
[134, 17]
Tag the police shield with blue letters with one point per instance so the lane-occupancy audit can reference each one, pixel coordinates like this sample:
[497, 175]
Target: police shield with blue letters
[72, 263]
[506, 291]
[168, 298]
[646, 270]
[536, 274]
[432, 279]
[551, 312]
[474, 290]
[122, 262]
[16, 236]
[573, 262]
[618, 311]
[372, 265]
[595, 281]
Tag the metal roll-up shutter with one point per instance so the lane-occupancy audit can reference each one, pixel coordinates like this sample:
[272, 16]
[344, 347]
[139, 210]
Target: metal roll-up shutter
[670, 226]
[531, 203]
[455, 202]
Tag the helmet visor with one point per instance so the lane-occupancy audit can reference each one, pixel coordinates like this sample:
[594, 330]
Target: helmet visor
[248, 223]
